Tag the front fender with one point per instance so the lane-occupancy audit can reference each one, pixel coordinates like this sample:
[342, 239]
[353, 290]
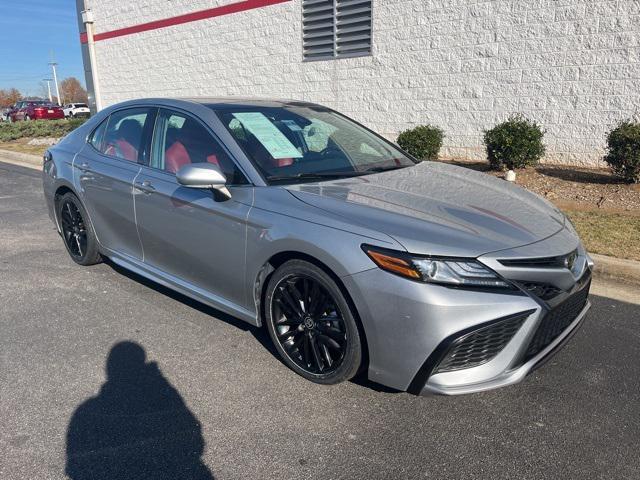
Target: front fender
[271, 234]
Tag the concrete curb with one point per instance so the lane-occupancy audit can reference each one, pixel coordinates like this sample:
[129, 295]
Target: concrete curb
[617, 269]
[606, 268]
[23, 159]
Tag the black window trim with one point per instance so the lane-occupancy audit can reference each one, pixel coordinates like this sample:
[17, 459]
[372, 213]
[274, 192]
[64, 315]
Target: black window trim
[208, 130]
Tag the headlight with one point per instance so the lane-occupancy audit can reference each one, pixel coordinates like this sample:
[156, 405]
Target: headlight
[447, 271]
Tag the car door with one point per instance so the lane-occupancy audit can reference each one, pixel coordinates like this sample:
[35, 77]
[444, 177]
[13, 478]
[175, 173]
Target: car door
[105, 171]
[192, 234]
[19, 113]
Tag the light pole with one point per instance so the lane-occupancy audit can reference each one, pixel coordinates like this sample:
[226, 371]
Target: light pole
[55, 80]
[48, 80]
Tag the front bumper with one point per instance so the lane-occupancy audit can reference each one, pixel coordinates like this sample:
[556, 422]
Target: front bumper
[441, 384]
[411, 326]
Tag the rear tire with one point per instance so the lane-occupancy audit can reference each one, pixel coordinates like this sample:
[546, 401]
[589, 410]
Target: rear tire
[77, 231]
[27, 118]
[311, 323]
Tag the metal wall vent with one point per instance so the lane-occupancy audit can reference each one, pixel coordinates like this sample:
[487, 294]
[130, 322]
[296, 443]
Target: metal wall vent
[336, 29]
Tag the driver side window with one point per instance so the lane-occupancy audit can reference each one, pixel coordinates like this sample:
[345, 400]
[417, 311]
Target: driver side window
[180, 140]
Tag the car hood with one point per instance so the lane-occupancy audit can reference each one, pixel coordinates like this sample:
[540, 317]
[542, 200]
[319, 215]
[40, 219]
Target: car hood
[438, 209]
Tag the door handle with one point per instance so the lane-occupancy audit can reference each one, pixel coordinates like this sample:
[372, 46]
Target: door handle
[145, 186]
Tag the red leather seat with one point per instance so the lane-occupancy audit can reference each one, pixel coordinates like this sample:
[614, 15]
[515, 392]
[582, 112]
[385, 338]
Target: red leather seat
[122, 149]
[282, 162]
[175, 157]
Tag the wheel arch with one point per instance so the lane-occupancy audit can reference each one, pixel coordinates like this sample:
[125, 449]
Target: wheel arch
[278, 259]
[59, 191]
[62, 189]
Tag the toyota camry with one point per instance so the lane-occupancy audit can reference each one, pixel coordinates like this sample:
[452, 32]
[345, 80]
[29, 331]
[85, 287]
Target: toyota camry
[356, 257]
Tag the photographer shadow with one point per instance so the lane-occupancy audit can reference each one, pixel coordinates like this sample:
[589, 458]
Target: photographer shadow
[138, 426]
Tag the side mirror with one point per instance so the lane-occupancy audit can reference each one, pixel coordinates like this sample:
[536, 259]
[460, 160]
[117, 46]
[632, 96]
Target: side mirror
[203, 175]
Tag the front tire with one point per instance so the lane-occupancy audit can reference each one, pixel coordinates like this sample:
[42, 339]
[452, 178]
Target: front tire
[77, 231]
[311, 323]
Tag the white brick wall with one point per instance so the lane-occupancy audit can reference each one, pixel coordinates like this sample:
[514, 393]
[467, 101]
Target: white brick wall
[464, 65]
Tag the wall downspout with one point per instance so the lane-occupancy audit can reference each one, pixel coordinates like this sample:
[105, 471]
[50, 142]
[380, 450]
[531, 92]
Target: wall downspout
[87, 19]
[87, 60]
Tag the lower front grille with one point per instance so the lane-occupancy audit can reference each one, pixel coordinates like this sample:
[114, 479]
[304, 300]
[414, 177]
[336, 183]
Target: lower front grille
[556, 321]
[480, 346]
[543, 291]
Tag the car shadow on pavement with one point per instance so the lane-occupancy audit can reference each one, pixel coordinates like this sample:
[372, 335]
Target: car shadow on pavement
[137, 426]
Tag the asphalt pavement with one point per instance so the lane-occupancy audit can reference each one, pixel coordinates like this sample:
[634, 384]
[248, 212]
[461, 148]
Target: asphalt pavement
[106, 375]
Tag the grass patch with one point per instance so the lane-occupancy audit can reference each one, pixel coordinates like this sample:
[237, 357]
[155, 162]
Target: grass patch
[614, 234]
[38, 129]
[22, 146]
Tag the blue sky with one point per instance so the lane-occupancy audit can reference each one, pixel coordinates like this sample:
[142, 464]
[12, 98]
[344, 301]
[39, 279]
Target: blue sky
[30, 30]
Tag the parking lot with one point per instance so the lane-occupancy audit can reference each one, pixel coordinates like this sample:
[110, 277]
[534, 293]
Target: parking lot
[211, 400]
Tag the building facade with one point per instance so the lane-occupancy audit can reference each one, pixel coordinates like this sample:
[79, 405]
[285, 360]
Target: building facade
[463, 65]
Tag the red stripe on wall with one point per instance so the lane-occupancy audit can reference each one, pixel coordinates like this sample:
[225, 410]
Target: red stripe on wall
[180, 19]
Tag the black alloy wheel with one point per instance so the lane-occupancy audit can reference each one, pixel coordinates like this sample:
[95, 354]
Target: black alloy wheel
[311, 324]
[77, 231]
[74, 230]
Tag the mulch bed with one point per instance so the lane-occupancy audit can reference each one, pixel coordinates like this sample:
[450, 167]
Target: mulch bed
[574, 188]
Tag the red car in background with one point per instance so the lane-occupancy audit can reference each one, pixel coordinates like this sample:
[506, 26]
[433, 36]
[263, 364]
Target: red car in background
[35, 110]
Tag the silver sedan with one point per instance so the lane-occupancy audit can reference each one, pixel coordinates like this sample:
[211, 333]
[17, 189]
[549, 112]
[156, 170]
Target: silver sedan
[355, 257]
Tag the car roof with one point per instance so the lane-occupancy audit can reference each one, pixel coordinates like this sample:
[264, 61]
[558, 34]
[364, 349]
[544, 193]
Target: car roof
[227, 103]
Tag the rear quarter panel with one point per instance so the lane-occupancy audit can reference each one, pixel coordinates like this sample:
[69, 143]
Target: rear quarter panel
[58, 171]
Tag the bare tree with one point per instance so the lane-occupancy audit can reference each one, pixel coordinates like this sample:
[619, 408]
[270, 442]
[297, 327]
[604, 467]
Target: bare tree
[72, 91]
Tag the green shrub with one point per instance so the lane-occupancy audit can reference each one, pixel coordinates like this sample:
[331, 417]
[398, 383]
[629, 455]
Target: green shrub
[623, 145]
[38, 129]
[423, 142]
[516, 143]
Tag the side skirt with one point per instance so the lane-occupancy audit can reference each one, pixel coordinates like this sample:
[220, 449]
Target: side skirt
[185, 288]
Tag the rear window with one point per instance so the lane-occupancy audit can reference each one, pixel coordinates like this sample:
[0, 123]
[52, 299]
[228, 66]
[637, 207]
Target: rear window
[98, 135]
[124, 134]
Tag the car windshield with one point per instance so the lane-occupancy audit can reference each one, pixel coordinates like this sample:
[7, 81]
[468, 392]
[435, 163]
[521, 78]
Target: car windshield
[295, 144]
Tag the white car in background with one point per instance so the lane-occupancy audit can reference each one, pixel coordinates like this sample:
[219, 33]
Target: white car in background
[76, 110]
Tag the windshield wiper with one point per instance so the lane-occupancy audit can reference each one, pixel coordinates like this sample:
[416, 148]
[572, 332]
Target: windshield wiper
[383, 169]
[313, 176]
